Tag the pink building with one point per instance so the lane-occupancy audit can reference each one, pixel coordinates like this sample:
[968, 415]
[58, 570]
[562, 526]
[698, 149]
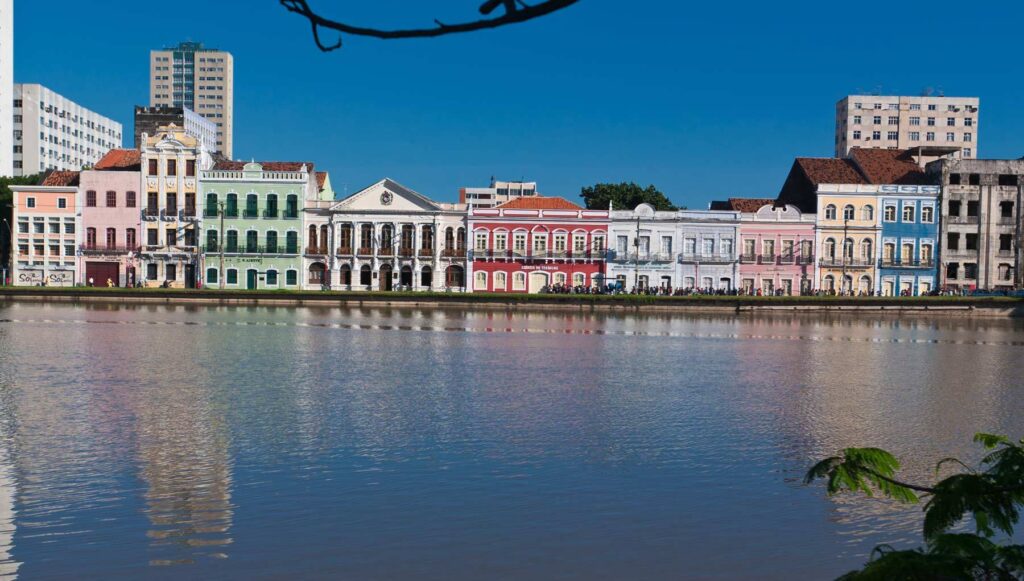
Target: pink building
[776, 248]
[111, 219]
[46, 231]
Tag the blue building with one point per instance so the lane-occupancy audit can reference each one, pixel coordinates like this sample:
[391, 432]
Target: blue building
[909, 220]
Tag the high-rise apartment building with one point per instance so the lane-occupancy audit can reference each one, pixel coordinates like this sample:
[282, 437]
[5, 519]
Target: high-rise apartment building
[498, 193]
[894, 122]
[201, 79]
[149, 120]
[53, 132]
[6, 87]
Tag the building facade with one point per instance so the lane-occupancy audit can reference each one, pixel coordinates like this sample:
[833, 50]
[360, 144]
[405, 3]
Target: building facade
[386, 237]
[909, 229]
[981, 223]
[530, 243]
[171, 222]
[201, 79]
[898, 122]
[776, 252]
[111, 221]
[6, 87]
[149, 120]
[498, 193]
[47, 231]
[644, 248]
[708, 259]
[253, 223]
[52, 132]
[847, 238]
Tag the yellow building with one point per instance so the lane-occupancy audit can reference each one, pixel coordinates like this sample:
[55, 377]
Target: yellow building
[847, 238]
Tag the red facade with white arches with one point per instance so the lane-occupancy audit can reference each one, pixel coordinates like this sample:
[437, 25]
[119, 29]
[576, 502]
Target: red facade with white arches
[533, 242]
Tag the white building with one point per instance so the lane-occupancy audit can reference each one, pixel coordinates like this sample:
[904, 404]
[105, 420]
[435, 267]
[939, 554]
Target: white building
[645, 248]
[895, 122]
[387, 237]
[498, 193]
[149, 120]
[6, 87]
[53, 132]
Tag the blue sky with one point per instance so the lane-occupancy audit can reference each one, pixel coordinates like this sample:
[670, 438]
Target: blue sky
[704, 100]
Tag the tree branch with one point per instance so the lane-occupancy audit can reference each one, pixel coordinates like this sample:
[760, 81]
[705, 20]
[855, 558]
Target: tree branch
[511, 16]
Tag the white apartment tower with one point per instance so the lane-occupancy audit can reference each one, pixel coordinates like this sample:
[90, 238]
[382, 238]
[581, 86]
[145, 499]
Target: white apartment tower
[53, 132]
[894, 122]
[201, 79]
[6, 87]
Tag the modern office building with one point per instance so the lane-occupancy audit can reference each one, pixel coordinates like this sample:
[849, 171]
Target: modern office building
[149, 119]
[201, 79]
[496, 194]
[896, 122]
[6, 87]
[51, 132]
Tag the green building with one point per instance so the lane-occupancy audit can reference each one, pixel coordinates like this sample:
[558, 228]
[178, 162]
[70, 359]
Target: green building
[253, 222]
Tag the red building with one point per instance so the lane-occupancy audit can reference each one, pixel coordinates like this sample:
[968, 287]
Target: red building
[532, 242]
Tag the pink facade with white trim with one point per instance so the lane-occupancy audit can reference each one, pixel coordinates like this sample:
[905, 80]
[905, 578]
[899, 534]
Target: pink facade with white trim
[777, 251]
[111, 226]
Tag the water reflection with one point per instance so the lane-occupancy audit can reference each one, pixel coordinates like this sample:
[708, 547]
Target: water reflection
[447, 444]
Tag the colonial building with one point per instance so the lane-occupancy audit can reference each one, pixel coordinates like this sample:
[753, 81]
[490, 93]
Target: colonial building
[644, 248]
[252, 223]
[47, 231]
[776, 252]
[171, 162]
[909, 237]
[529, 243]
[111, 221]
[708, 254]
[981, 222]
[386, 237]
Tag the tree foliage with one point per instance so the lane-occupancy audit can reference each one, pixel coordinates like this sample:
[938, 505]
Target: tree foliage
[991, 495]
[624, 196]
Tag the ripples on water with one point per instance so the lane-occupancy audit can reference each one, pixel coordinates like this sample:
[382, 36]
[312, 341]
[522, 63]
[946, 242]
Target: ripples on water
[393, 443]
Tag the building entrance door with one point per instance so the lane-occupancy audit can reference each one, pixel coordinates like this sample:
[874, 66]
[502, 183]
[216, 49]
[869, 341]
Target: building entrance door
[190, 276]
[250, 279]
[887, 288]
[538, 280]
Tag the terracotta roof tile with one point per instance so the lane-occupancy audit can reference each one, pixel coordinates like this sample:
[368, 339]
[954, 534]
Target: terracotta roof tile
[321, 179]
[830, 170]
[539, 203]
[267, 165]
[115, 159]
[61, 179]
[888, 166]
[747, 205]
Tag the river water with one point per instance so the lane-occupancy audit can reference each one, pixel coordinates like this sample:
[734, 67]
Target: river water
[367, 444]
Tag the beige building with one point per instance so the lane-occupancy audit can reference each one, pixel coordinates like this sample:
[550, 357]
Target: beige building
[201, 79]
[894, 122]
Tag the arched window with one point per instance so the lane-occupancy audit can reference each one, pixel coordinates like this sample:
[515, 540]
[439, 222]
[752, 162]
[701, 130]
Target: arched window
[579, 279]
[311, 245]
[232, 276]
[387, 239]
[231, 207]
[212, 209]
[323, 240]
[317, 270]
[252, 242]
[830, 248]
[560, 278]
[291, 206]
[480, 281]
[272, 278]
[519, 281]
[907, 253]
[211, 276]
[449, 241]
[830, 212]
[829, 283]
[848, 249]
[90, 238]
[292, 242]
[271, 211]
[500, 282]
[346, 275]
[291, 278]
[888, 252]
[272, 241]
[427, 277]
[365, 276]
[866, 250]
[865, 285]
[867, 213]
[211, 241]
[231, 244]
[848, 212]
[460, 241]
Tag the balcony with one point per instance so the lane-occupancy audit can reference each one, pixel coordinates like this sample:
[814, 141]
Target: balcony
[344, 251]
[210, 213]
[316, 250]
[104, 249]
[406, 252]
[151, 213]
[832, 262]
[426, 252]
[386, 251]
[291, 214]
[169, 214]
[453, 253]
[271, 214]
[250, 213]
[963, 220]
[710, 258]
[365, 252]
[896, 262]
[189, 213]
[231, 212]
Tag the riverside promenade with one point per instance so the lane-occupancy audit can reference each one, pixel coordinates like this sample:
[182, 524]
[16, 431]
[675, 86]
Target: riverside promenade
[910, 306]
